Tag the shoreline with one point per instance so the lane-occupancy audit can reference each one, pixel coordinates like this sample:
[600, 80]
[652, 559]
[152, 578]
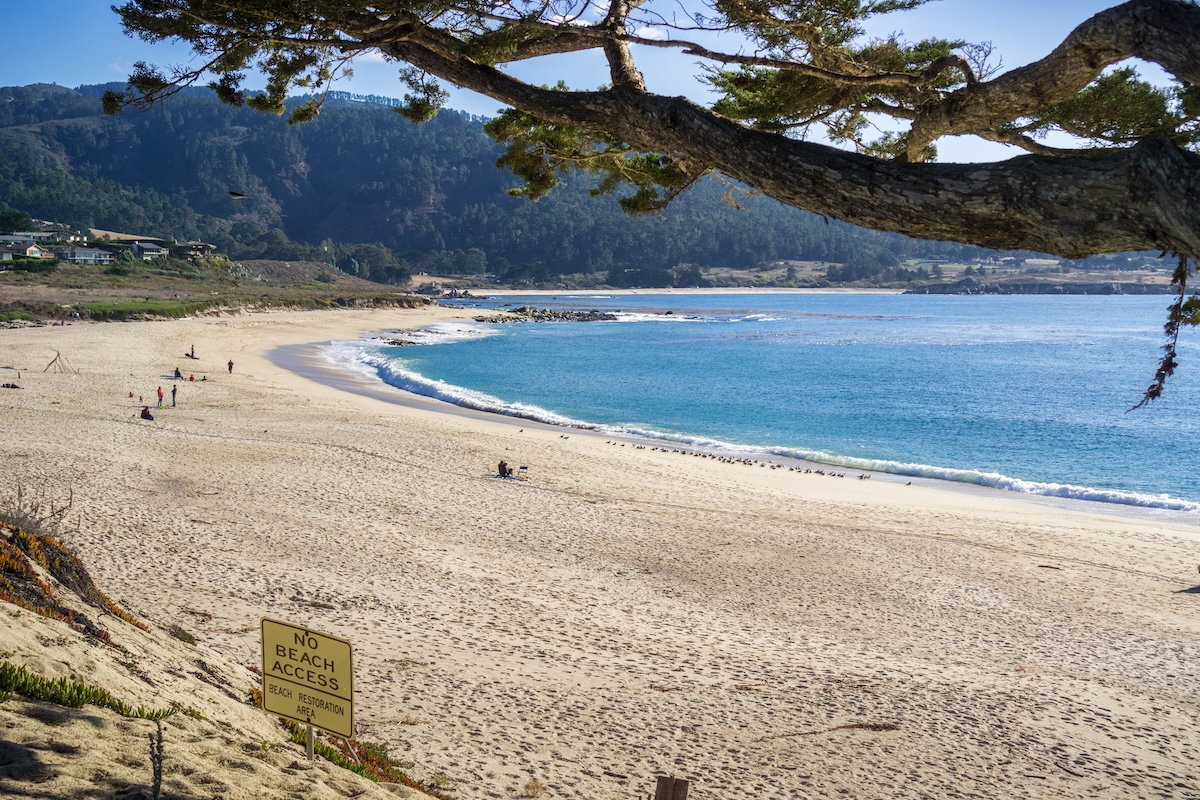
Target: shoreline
[626, 612]
[303, 359]
[709, 290]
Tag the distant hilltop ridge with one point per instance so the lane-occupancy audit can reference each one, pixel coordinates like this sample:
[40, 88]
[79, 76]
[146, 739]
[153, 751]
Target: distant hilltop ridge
[426, 198]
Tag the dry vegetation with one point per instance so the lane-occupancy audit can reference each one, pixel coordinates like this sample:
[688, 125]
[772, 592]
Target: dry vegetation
[184, 288]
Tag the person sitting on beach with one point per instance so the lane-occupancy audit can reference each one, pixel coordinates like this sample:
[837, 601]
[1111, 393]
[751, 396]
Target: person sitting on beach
[178, 374]
[146, 413]
[505, 470]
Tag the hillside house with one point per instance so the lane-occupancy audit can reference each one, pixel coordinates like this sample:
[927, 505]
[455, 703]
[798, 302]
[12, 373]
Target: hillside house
[148, 251]
[85, 255]
[190, 250]
[13, 250]
[41, 237]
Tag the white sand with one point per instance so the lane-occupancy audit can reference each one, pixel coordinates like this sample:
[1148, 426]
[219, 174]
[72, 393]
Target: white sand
[627, 612]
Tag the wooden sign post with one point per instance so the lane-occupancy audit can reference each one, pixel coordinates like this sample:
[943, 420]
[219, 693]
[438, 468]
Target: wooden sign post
[671, 788]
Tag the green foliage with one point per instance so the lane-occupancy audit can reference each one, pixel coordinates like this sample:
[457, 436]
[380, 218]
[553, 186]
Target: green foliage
[191, 711]
[537, 151]
[780, 101]
[73, 694]
[1183, 312]
[1189, 311]
[818, 28]
[1121, 109]
[426, 97]
[253, 41]
[12, 220]
[38, 265]
[179, 633]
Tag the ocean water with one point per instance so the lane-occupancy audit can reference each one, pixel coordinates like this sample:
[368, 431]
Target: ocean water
[1024, 393]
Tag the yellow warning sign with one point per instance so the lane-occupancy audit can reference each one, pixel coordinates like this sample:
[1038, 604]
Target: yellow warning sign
[308, 677]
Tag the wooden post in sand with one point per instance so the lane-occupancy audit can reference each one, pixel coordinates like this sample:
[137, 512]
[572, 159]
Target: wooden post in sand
[671, 788]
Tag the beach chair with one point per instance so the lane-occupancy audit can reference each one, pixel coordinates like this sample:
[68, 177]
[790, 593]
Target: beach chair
[523, 473]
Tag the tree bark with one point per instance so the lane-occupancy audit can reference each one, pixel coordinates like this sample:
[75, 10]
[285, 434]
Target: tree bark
[1142, 198]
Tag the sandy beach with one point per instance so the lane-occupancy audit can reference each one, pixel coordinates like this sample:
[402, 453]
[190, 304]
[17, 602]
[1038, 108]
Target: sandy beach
[627, 612]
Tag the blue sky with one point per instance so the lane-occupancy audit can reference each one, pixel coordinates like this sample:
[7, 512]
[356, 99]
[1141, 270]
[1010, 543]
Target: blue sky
[74, 42]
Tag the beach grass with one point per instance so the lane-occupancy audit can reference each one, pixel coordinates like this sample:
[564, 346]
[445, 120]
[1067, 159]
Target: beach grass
[138, 308]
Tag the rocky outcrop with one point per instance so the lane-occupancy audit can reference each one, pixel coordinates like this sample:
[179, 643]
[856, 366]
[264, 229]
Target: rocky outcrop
[534, 314]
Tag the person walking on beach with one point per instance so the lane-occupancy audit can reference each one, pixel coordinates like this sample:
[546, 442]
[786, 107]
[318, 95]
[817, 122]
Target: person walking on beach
[231, 366]
[160, 396]
[174, 391]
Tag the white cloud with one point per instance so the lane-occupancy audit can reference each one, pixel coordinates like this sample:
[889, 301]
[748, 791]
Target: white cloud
[560, 19]
[647, 32]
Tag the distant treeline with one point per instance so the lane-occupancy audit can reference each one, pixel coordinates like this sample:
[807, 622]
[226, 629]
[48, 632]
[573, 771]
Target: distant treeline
[382, 198]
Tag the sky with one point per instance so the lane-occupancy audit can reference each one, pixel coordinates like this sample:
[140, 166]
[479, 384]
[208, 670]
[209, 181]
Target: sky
[77, 42]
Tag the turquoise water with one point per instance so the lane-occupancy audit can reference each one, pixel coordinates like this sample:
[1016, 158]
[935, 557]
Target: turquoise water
[1027, 393]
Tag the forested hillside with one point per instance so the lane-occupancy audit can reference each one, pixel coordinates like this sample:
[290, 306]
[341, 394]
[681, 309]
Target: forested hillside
[427, 196]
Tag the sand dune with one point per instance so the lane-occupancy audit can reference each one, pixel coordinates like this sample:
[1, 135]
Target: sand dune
[627, 612]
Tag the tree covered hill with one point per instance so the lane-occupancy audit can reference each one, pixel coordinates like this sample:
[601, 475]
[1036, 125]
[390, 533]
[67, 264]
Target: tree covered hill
[430, 194]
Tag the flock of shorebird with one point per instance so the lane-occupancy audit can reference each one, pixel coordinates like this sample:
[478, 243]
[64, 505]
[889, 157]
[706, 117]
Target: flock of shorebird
[745, 461]
[730, 460]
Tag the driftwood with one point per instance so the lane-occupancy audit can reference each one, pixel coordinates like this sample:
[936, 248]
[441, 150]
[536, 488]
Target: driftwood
[60, 364]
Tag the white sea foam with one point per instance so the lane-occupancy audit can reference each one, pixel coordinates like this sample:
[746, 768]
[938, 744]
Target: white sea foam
[365, 360]
[996, 480]
[634, 316]
[443, 333]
